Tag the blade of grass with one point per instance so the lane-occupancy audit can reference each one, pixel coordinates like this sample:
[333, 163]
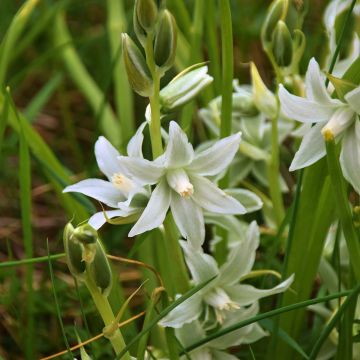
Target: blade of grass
[57, 306]
[42, 97]
[12, 35]
[332, 323]
[84, 81]
[34, 260]
[26, 212]
[116, 24]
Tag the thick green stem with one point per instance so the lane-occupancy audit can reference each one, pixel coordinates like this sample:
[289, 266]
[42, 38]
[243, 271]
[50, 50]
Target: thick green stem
[343, 206]
[104, 308]
[273, 173]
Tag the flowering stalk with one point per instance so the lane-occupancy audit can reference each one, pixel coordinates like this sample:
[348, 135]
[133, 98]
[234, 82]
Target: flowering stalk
[155, 133]
[104, 309]
[343, 203]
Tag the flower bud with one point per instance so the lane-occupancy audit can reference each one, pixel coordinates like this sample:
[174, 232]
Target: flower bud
[146, 12]
[165, 41]
[73, 253]
[243, 102]
[184, 87]
[282, 46]
[136, 68]
[100, 271]
[264, 99]
[85, 234]
[277, 11]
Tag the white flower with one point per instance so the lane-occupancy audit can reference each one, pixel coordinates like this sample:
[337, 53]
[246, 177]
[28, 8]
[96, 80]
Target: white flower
[119, 192]
[224, 293]
[190, 333]
[180, 175]
[340, 118]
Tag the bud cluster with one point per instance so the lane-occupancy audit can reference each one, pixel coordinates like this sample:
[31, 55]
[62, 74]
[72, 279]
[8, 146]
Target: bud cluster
[155, 28]
[86, 257]
[285, 50]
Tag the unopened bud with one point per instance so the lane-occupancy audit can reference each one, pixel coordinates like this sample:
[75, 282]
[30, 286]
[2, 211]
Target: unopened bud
[100, 270]
[85, 234]
[184, 87]
[146, 13]
[282, 46]
[73, 253]
[137, 70]
[264, 99]
[277, 11]
[165, 41]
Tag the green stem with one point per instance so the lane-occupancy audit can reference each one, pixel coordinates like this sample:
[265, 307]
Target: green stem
[343, 206]
[155, 124]
[273, 173]
[179, 273]
[104, 308]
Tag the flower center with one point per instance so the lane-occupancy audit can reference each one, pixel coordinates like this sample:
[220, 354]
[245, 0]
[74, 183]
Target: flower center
[121, 182]
[220, 301]
[179, 181]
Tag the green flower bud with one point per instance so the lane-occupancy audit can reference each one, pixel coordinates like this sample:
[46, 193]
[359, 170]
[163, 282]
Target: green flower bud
[146, 13]
[165, 41]
[277, 11]
[73, 253]
[100, 271]
[137, 70]
[264, 99]
[85, 234]
[184, 87]
[282, 46]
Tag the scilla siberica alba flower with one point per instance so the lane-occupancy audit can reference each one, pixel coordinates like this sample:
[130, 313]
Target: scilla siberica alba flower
[224, 294]
[119, 192]
[340, 118]
[181, 182]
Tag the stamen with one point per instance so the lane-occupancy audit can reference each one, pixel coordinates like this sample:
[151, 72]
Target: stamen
[179, 181]
[122, 183]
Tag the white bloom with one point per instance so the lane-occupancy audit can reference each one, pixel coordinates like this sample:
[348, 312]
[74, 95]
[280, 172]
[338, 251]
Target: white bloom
[340, 118]
[119, 192]
[180, 175]
[213, 350]
[224, 293]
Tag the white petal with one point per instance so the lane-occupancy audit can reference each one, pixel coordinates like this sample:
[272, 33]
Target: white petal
[350, 156]
[202, 266]
[247, 294]
[211, 198]
[256, 333]
[221, 355]
[189, 219]
[241, 257]
[189, 333]
[312, 148]
[134, 147]
[340, 121]
[179, 152]
[143, 171]
[315, 85]
[155, 211]
[353, 99]
[98, 219]
[217, 158]
[247, 198]
[107, 157]
[186, 312]
[304, 110]
[98, 189]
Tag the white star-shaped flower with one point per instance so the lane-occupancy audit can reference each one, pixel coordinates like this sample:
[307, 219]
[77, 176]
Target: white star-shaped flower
[341, 118]
[181, 182]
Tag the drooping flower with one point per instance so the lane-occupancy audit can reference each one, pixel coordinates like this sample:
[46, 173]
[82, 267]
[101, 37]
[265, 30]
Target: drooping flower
[182, 184]
[224, 294]
[328, 114]
[119, 191]
[216, 349]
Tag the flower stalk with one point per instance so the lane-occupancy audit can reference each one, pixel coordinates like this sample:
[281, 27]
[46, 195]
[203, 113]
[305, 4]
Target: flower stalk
[343, 206]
